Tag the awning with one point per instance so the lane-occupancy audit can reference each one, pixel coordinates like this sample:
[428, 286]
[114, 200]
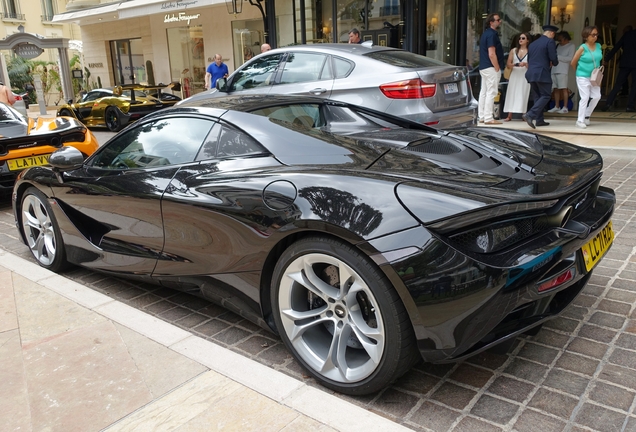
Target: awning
[130, 9]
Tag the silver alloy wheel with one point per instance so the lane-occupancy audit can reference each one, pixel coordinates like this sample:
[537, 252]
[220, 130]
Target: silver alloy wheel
[337, 327]
[38, 229]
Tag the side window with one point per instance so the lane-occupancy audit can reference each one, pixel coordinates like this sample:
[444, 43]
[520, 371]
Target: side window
[342, 67]
[162, 142]
[91, 96]
[259, 73]
[233, 142]
[210, 144]
[304, 115]
[302, 67]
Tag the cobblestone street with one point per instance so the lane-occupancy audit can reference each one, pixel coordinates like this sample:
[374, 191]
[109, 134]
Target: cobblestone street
[578, 373]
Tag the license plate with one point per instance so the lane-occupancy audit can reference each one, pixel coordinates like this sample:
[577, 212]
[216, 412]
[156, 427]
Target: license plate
[31, 161]
[594, 250]
[450, 88]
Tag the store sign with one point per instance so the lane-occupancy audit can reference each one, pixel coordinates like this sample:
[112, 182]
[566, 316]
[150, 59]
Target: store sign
[27, 50]
[178, 4]
[96, 65]
[181, 16]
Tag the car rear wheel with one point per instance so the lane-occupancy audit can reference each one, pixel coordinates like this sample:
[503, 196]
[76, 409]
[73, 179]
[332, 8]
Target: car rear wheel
[340, 317]
[41, 231]
[65, 113]
[113, 119]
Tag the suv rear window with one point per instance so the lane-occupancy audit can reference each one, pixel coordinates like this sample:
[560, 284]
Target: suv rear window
[405, 59]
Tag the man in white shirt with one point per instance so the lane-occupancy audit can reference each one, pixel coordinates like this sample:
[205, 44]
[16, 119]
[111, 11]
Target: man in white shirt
[565, 53]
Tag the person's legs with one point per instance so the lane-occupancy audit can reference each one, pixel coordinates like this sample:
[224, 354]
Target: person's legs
[584, 86]
[595, 96]
[631, 103]
[564, 96]
[544, 99]
[534, 92]
[482, 95]
[621, 79]
[490, 85]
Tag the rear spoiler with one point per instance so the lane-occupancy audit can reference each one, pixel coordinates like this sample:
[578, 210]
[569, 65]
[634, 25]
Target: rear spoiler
[176, 86]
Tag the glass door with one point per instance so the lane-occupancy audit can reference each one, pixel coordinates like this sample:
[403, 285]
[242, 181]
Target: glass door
[187, 58]
[128, 61]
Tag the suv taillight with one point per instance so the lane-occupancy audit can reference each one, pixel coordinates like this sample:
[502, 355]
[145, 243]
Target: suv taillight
[408, 89]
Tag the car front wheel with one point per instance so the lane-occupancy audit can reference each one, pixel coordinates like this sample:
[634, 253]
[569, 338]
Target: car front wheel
[41, 231]
[113, 119]
[340, 317]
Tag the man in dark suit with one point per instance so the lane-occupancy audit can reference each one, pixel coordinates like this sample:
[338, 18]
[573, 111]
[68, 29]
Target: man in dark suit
[626, 67]
[542, 55]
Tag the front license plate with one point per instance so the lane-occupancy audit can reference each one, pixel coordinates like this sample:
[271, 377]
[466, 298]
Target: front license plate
[27, 162]
[450, 88]
[594, 250]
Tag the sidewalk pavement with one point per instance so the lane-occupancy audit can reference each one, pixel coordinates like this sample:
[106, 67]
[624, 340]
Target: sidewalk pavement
[73, 359]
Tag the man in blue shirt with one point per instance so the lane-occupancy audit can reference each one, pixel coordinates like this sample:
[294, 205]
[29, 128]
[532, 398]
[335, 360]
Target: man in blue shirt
[491, 62]
[216, 70]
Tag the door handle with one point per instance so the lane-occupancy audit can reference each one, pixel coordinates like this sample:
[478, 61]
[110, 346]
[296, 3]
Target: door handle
[318, 91]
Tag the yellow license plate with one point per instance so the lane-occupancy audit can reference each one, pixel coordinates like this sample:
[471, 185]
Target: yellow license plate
[27, 162]
[594, 250]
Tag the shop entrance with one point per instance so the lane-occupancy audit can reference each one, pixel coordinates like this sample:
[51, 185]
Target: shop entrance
[128, 61]
[187, 58]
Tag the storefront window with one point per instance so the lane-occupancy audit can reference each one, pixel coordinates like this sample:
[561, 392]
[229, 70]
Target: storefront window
[377, 20]
[247, 38]
[128, 61]
[187, 58]
[517, 17]
[441, 30]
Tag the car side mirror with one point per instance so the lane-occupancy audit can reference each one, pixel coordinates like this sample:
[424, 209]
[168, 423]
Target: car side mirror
[66, 158]
[221, 85]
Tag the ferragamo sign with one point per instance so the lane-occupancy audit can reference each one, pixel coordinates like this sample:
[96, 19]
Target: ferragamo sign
[181, 16]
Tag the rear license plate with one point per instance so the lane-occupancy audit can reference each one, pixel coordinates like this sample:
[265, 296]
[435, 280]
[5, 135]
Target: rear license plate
[450, 88]
[594, 250]
[27, 162]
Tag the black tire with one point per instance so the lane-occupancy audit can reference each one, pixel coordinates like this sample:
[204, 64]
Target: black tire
[380, 342]
[41, 231]
[113, 119]
[65, 113]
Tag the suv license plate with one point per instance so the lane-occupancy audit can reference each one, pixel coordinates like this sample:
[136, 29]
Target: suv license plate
[594, 250]
[450, 88]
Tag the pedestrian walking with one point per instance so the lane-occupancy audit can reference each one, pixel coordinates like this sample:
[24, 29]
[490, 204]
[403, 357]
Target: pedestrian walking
[217, 69]
[491, 62]
[518, 88]
[627, 67]
[542, 56]
[565, 53]
[588, 57]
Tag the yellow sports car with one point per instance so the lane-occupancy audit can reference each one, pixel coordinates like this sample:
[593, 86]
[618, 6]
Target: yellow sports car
[25, 142]
[114, 107]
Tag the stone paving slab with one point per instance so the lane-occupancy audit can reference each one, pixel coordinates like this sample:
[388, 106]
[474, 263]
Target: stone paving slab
[578, 373]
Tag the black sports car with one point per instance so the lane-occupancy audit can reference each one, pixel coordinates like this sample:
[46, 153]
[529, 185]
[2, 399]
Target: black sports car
[362, 239]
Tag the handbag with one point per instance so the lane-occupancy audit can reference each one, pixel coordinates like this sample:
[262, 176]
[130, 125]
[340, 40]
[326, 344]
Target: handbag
[507, 72]
[597, 76]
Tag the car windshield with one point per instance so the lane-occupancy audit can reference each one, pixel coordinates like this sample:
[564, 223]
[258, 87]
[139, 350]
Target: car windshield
[404, 59]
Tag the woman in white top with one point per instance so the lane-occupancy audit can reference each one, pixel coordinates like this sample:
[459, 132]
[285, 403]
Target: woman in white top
[518, 88]
[565, 53]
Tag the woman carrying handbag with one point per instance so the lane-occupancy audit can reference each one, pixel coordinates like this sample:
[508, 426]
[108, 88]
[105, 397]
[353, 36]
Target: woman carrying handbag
[518, 87]
[586, 60]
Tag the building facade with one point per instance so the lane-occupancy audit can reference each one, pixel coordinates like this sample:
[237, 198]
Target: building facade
[174, 40]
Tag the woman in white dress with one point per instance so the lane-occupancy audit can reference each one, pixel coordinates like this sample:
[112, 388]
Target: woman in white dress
[518, 88]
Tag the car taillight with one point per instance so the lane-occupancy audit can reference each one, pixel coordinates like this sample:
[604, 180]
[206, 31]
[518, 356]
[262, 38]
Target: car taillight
[408, 89]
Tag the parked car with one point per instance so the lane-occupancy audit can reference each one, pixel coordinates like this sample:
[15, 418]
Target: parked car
[114, 107]
[361, 238]
[386, 79]
[26, 142]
